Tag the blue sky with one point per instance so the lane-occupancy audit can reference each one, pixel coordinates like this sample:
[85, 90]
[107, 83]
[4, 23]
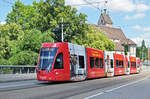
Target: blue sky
[132, 16]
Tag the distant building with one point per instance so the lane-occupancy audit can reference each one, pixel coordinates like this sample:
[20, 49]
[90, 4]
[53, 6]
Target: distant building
[115, 34]
[105, 20]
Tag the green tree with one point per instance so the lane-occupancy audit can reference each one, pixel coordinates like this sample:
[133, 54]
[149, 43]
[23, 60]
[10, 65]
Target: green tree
[25, 15]
[46, 16]
[142, 51]
[26, 50]
[126, 46]
[9, 34]
[95, 39]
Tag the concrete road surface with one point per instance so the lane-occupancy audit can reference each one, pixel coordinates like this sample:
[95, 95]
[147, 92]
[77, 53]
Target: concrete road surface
[136, 86]
[135, 90]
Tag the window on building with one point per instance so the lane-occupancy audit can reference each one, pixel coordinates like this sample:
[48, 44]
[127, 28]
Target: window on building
[81, 61]
[59, 61]
[97, 62]
[101, 63]
[92, 62]
[111, 63]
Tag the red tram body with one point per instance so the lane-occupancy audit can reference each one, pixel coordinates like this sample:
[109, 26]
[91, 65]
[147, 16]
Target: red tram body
[49, 72]
[69, 62]
[95, 63]
[133, 67]
[119, 64]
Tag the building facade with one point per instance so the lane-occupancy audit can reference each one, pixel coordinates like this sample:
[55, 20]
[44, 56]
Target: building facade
[116, 35]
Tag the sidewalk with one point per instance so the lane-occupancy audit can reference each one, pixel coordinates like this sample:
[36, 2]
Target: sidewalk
[17, 77]
[145, 68]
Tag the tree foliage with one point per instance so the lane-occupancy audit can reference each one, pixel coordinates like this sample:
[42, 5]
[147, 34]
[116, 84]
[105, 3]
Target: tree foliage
[46, 15]
[28, 26]
[95, 39]
[126, 48]
[24, 58]
[142, 51]
[9, 34]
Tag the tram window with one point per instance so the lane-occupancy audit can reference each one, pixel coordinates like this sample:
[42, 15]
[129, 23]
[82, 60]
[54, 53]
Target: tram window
[119, 63]
[59, 61]
[133, 64]
[97, 62]
[122, 64]
[101, 63]
[128, 64]
[138, 65]
[81, 61]
[111, 63]
[116, 63]
[92, 62]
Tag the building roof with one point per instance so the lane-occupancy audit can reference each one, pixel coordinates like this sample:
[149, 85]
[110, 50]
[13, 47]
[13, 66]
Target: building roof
[118, 47]
[106, 18]
[129, 42]
[112, 33]
[115, 34]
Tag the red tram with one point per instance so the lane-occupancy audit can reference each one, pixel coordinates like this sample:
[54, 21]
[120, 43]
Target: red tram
[69, 62]
[133, 67]
[119, 64]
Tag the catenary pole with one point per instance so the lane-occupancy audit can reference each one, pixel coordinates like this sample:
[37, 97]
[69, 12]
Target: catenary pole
[62, 26]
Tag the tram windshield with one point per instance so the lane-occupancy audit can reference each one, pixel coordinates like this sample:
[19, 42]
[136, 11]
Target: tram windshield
[47, 56]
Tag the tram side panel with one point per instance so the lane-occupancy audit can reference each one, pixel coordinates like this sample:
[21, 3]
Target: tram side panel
[127, 65]
[138, 65]
[109, 64]
[78, 63]
[95, 63]
[119, 64]
[133, 66]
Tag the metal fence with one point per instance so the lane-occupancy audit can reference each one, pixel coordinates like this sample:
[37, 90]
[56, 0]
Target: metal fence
[17, 69]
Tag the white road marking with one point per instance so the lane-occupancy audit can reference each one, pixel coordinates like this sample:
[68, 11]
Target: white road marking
[110, 90]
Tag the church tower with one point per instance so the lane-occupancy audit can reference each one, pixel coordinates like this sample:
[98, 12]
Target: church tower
[104, 18]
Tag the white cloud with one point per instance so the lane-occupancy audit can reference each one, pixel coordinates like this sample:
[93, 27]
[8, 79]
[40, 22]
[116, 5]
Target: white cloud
[144, 37]
[3, 22]
[137, 27]
[142, 29]
[113, 5]
[122, 5]
[75, 3]
[142, 7]
[147, 29]
[136, 16]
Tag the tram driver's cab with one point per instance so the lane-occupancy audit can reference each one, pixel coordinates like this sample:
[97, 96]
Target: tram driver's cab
[51, 65]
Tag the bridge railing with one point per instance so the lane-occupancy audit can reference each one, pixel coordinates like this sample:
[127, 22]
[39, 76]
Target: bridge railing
[17, 69]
